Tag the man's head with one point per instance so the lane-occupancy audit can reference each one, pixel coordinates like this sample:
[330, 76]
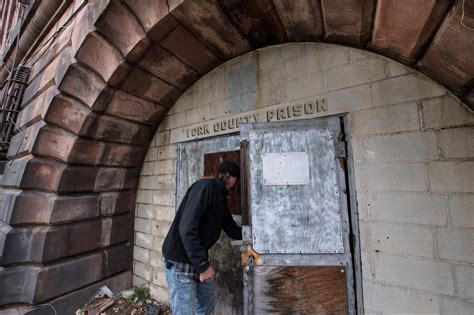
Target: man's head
[229, 171]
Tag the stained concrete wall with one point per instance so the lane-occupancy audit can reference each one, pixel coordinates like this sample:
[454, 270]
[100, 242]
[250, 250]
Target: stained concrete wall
[413, 154]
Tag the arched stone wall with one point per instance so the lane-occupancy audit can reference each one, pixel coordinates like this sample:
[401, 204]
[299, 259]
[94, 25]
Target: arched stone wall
[411, 142]
[101, 84]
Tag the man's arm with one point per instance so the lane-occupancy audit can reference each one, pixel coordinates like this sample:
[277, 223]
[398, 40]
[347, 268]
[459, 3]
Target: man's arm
[230, 227]
[196, 204]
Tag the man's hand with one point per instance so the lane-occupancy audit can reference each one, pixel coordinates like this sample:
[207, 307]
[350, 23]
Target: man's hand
[207, 275]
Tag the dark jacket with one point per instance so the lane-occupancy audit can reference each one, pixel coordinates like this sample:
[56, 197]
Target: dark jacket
[201, 216]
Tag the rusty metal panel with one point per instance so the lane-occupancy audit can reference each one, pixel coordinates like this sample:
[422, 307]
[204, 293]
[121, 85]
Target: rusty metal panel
[296, 218]
[300, 290]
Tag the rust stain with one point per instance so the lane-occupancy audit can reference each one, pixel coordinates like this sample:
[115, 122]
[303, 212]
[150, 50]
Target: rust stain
[250, 252]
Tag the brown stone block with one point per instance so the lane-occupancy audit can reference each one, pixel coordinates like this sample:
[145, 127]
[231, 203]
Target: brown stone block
[404, 29]
[99, 55]
[348, 21]
[31, 207]
[65, 276]
[257, 20]
[137, 52]
[119, 130]
[163, 27]
[188, 48]
[145, 85]
[82, 84]
[54, 142]
[55, 244]
[117, 259]
[22, 143]
[52, 75]
[7, 202]
[123, 155]
[85, 20]
[468, 99]
[70, 114]
[209, 22]
[78, 179]
[130, 107]
[119, 75]
[42, 174]
[121, 27]
[302, 19]
[117, 202]
[148, 12]
[83, 237]
[48, 55]
[74, 208]
[14, 171]
[168, 67]
[69, 303]
[449, 59]
[109, 179]
[24, 245]
[37, 109]
[117, 229]
[18, 284]
[87, 152]
[131, 178]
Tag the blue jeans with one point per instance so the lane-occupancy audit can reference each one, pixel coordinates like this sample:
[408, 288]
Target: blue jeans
[188, 296]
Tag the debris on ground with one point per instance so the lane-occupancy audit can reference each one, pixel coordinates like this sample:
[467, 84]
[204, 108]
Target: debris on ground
[134, 301]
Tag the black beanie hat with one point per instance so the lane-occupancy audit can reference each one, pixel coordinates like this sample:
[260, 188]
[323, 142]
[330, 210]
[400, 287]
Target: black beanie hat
[229, 167]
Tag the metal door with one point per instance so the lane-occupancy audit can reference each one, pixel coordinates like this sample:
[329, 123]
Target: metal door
[297, 257]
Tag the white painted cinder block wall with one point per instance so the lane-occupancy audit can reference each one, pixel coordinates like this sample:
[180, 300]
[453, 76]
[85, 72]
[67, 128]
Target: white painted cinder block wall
[413, 146]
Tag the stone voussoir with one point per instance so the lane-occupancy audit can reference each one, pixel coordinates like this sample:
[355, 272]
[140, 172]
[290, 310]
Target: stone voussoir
[22, 143]
[78, 179]
[154, 17]
[140, 82]
[84, 85]
[65, 276]
[209, 22]
[99, 55]
[117, 229]
[112, 203]
[123, 155]
[37, 173]
[128, 106]
[302, 19]
[86, 152]
[348, 22]
[37, 109]
[115, 129]
[168, 67]
[121, 27]
[53, 142]
[18, 284]
[391, 35]
[449, 57]
[69, 114]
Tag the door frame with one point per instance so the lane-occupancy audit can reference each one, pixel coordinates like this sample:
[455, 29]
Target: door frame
[355, 298]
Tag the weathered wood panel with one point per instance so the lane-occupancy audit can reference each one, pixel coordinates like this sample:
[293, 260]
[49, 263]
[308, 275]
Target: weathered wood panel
[296, 218]
[300, 290]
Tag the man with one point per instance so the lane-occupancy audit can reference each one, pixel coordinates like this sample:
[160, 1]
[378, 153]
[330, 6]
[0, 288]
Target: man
[201, 217]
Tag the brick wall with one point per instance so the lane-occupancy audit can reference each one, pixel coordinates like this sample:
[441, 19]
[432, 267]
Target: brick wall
[412, 151]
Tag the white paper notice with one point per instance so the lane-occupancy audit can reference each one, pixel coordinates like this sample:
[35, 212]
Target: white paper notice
[286, 168]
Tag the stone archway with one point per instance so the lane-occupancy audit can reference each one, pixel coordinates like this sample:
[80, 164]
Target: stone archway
[99, 92]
